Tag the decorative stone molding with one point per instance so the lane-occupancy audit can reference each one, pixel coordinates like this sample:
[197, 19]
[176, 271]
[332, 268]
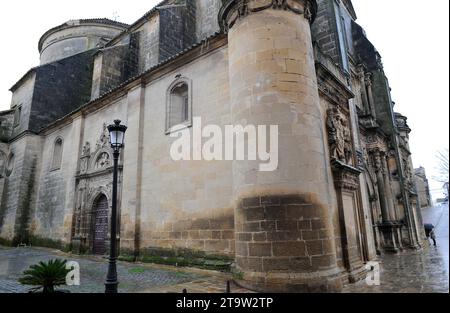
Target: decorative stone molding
[368, 79]
[232, 10]
[378, 161]
[361, 160]
[346, 177]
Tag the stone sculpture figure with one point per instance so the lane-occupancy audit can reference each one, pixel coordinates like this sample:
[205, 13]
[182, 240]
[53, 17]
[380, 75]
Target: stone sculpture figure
[339, 136]
[84, 163]
[86, 149]
[104, 137]
[348, 146]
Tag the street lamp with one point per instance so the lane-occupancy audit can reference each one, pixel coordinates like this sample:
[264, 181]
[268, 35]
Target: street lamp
[116, 138]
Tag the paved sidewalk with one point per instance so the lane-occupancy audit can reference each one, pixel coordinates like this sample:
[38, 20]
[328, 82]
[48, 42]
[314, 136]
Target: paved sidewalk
[133, 277]
[409, 272]
[425, 271]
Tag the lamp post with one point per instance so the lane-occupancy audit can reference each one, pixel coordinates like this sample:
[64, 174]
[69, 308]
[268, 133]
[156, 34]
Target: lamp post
[116, 138]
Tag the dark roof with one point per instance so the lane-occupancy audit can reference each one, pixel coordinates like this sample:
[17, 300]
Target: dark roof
[156, 66]
[138, 22]
[103, 21]
[125, 83]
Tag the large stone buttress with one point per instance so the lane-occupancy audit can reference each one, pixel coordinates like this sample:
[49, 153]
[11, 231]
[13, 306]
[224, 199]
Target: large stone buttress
[283, 220]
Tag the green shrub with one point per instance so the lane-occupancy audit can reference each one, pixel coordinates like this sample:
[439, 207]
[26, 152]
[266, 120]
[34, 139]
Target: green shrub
[46, 276]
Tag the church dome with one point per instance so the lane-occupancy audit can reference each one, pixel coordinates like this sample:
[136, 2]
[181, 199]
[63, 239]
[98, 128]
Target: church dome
[77, 36]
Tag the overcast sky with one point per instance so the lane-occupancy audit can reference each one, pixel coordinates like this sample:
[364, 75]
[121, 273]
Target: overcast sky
[411, 35]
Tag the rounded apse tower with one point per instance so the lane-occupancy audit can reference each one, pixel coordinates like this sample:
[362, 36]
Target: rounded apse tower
[284, 232]
[77, 36]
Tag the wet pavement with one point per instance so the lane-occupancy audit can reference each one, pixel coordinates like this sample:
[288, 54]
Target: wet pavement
[425, 271]
[422, 271]
[135, 278]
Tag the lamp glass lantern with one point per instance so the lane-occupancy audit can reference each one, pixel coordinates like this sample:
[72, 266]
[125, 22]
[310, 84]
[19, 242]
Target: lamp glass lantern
[117, 134]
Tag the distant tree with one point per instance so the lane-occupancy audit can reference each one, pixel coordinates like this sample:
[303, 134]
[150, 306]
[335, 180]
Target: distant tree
[442, 169]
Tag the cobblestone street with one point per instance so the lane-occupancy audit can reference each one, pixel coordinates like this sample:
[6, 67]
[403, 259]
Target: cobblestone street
[409, 272]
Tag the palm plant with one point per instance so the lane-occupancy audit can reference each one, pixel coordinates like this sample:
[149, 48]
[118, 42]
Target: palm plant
[46, 276]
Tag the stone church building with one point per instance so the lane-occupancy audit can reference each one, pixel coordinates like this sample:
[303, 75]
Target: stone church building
[343, 191]
[423, 187]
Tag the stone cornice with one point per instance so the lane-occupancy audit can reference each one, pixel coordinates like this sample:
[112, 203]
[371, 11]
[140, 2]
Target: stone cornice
[232, 10]
[83, 22]
[345, 177]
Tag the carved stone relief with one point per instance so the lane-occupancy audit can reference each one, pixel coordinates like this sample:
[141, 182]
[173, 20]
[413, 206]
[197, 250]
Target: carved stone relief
[339, 134]
[102, 161]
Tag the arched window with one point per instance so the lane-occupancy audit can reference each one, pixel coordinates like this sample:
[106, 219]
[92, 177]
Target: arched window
[57, 154]
[179, 107]
[10, 164]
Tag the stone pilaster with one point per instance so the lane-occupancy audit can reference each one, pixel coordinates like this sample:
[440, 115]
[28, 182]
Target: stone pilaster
[387, 226]
[132, 174]
[284, 234]
[381, 188]
[388, 190]
[346, 181]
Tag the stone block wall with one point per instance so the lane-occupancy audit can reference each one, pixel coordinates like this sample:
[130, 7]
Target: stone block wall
[20, 189]
[324, 30]
[53, 182]
[283, 233]
[196, 212]
[6, 125]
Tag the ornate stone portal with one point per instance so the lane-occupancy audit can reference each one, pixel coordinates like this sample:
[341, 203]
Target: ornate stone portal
[93, 181]
[387, 225]
[346, 181]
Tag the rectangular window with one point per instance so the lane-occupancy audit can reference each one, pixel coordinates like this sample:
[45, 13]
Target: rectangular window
[17, 116]
[340, 24]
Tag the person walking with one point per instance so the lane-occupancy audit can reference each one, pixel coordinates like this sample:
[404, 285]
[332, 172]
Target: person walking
[433, 236]
[429, 232]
